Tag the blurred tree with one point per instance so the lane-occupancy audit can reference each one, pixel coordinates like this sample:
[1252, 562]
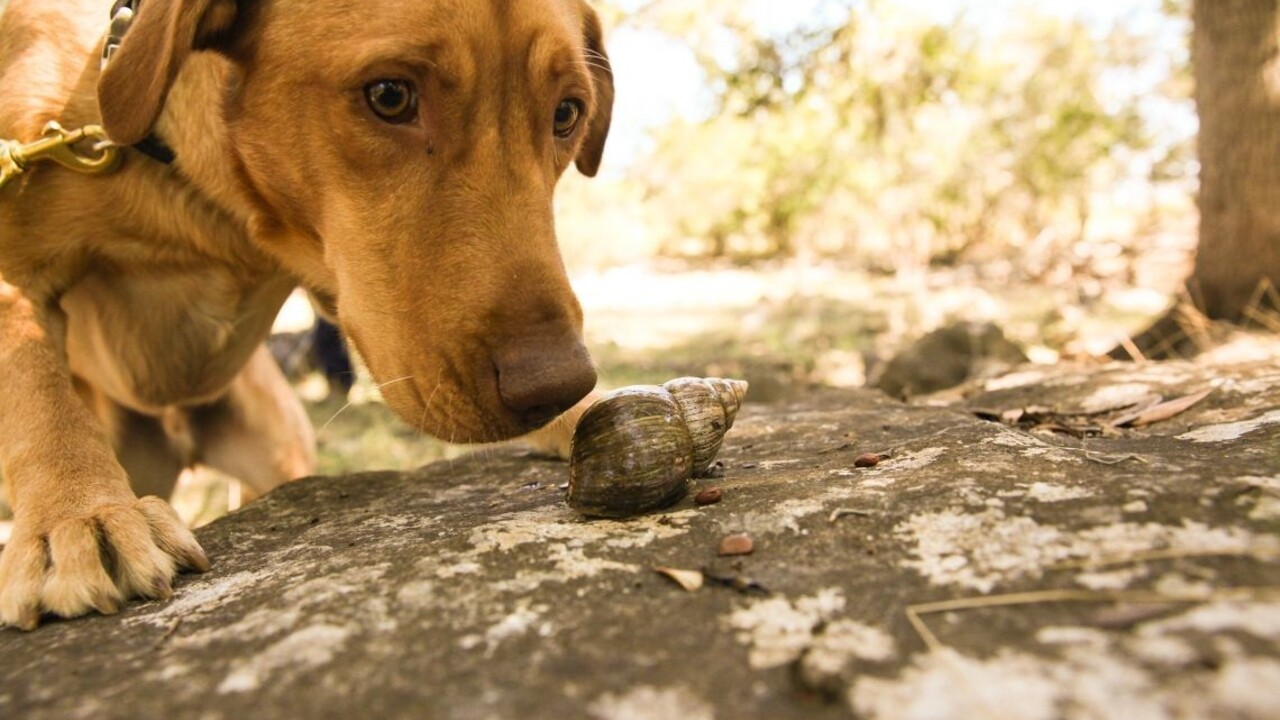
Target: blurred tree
[889, 137]
[1236, 57]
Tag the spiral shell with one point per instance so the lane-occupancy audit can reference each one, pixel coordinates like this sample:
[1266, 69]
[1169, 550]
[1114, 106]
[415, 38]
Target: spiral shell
[637, 448]
[709, 406]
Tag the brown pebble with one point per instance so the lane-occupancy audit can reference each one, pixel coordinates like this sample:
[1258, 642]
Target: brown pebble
[869, 460]
[710, 496]
[739, 544]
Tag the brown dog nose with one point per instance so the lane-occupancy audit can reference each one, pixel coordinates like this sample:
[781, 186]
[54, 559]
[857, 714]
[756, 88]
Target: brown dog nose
[540, 377]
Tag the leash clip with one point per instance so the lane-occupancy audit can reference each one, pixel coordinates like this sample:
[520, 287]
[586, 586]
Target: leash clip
[59, 145]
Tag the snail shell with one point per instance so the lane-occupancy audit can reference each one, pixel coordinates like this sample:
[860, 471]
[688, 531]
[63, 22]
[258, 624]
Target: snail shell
[637, 448]
[709, 406]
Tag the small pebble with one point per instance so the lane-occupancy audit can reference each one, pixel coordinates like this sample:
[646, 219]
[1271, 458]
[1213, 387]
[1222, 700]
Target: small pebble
[739, 544]
[710, 496]
[869, 460]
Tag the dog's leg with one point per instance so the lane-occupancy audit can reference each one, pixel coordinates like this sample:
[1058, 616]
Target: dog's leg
[258, 432]
[153, 450]
[81, 540]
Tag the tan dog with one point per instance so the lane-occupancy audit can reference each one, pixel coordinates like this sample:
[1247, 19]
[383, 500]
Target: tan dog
[396, 158]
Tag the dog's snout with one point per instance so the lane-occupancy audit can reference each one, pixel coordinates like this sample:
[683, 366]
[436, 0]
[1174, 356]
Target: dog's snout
[539, 378]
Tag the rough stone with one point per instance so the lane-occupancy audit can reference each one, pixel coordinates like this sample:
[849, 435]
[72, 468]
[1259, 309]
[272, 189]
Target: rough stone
[945, 358]
[1146, 565]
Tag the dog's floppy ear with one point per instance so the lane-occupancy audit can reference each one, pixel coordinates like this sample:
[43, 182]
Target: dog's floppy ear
[588, 160]
[133, 87]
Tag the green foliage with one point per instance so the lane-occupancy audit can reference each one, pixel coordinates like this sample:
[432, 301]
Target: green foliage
[889, 134]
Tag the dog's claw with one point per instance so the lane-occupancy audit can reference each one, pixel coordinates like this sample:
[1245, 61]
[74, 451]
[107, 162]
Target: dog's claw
[106, 604]
[195, 559]
[172, 536]
[161, 588]
[28, 618]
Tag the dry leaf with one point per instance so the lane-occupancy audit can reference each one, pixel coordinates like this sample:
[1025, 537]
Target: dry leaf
[690, 580]
[1161, 412]
[1012, 417]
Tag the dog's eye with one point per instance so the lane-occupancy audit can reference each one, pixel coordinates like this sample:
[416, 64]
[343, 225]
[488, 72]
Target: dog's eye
[392, 100]
[567, 115]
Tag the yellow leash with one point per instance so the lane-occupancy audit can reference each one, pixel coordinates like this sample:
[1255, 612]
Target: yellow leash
[87, 150]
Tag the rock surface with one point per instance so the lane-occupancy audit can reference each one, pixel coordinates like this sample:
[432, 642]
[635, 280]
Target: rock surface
[945, 358]
[1147, 563]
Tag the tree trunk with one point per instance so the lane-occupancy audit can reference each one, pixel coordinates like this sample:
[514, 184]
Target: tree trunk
[1236, 55]
[1236, 51]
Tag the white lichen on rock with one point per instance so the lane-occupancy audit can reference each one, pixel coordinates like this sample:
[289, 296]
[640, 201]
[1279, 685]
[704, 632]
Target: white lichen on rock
[298, 653]
[838, 647]
[1052, 493]
[914, 460]
[778, 630]
[1091, 676]
[945, 684]
[557, 523]
[980, 550]
[646, 702]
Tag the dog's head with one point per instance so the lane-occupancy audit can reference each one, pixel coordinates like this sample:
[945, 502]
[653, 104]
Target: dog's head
[400, 156]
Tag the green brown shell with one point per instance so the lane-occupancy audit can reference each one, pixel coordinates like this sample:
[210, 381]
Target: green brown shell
[636, 449]
[631, 454]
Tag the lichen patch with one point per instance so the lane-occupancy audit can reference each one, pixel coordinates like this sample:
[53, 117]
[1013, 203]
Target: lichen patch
[1260, 619]
[525, 618]
[916, 460]
[778, 630]
[1089, 677]
[556, 523]
[945, 684]
[980, 550]
[573, 563]
[842, 641]
[1247, 688]
[1030, 446]
[1117, 579]
[786, 515]
[301, 652]
[646, 702]
[205, 595]
[1050, 493]
[983, 549]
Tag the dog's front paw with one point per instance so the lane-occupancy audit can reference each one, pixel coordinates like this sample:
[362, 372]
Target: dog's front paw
[95, 561]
